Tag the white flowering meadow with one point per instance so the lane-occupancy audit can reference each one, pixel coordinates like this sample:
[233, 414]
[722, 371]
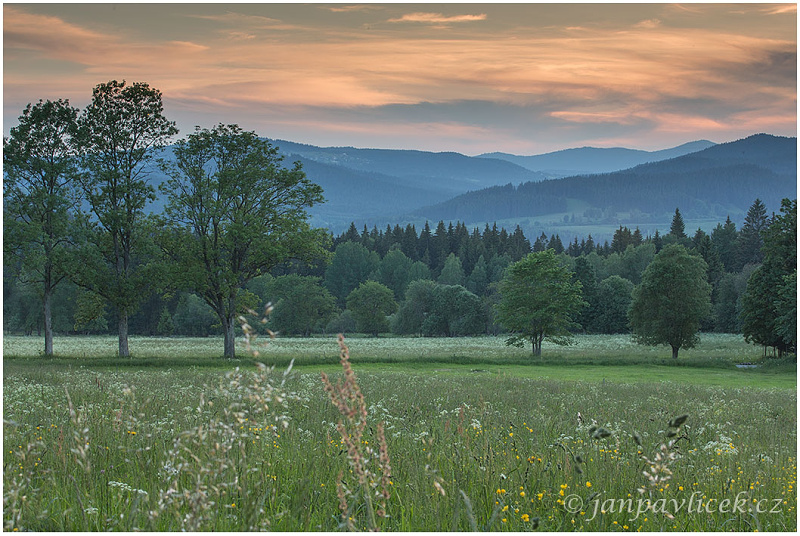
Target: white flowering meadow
[90, 445]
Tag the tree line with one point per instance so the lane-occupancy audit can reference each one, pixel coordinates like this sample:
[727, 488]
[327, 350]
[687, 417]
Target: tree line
[82, 254]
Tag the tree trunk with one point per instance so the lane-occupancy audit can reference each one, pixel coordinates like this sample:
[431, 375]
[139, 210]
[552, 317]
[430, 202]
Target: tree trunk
[123, 334]
[675, 352]
[537, 346]
[48, 322]
[230, 337]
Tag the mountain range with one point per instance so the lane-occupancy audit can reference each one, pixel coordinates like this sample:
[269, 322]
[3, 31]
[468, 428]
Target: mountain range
[715, 182]
[595, 160]
[617, 185]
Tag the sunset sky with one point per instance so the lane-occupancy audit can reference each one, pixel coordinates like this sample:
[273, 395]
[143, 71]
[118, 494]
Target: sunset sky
[472, 78]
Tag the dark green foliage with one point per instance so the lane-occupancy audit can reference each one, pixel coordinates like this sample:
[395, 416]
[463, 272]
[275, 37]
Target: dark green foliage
[434, 310]
[416, 307]
[455, 311]
[352, 264]
[786, 311]
[394, 272]
[39, 193]
[90, 313]
[453, 272]
[193, 317]
[677, 228]
[234, 213]
[584, 272]
[672, 300]
[724, 239]
[478, 280]
[634, 261]
[370, 304]
[342, 323]
[766, 304]
[302, 305]
[165, 325]
[727, 303]
[539, 301]
[22, 309]
[750, 241]
[614, 295]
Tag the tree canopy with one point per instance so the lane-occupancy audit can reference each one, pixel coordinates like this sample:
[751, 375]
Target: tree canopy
[39, 191]
[539, 300]
[233, 213]
[119, 132]
[370, 304]
[672, 299]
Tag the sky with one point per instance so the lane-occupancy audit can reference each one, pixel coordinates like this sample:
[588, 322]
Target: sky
[471, 78]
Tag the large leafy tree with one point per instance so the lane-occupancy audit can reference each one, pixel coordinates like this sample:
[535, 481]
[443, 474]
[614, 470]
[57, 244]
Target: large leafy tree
[539, 300]
[40, 191]
[120, 133]
[370, 304]
[234, 212]
[671, 301]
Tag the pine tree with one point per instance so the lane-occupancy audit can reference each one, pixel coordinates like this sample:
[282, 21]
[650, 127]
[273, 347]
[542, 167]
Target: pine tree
[750, 241]
[677, 228]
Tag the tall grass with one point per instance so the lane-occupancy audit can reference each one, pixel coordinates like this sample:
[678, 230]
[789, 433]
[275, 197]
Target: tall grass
[206, 449]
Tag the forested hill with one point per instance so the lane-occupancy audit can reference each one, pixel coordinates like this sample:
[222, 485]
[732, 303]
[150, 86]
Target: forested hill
[453, 171]
[712, 183]
[582, 160]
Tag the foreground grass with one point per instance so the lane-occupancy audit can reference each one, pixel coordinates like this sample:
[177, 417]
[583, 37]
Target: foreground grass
[120, 448]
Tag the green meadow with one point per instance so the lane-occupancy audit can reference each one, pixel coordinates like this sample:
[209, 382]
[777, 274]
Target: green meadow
[455, 434]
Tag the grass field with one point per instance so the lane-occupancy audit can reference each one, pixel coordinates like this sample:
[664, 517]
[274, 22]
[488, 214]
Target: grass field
[477, 436]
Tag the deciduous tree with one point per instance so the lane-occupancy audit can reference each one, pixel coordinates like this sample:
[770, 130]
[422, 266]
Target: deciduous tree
[120, 132]
[539, 300]
[370, 304]
[234, 212]
[39, 193]
[672, 299]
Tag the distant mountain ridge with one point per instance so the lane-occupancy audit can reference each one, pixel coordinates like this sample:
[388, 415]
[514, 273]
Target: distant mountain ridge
[715, 182]
[596, 160]
[390, 184]
[454, 171]
[384, 186]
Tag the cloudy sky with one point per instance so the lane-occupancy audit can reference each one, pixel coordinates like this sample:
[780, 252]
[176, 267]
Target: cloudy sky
[472, 78]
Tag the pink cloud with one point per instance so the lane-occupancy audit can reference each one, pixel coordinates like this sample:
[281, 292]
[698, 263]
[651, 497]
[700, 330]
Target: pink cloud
[438, 18]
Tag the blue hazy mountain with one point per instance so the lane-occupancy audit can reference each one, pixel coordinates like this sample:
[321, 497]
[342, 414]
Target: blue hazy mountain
[715, 182]
[587, 160]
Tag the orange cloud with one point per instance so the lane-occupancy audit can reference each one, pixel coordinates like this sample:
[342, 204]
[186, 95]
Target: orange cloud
[581, 74]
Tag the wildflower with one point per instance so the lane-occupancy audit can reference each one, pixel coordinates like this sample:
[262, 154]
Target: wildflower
[588, 484]
[526, 517]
